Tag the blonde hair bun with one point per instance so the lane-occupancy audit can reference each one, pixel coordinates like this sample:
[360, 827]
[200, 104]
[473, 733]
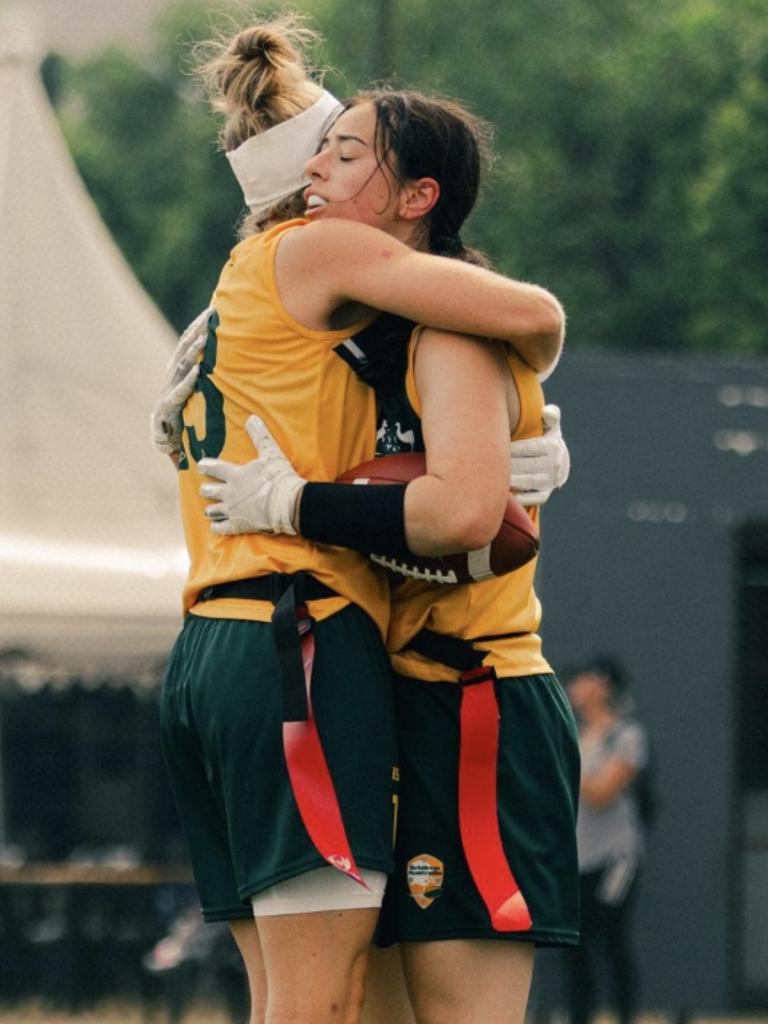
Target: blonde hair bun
[259, 78]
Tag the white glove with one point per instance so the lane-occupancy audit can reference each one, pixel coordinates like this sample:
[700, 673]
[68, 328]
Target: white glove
[178, 384]
[258, 497]
[540, 464]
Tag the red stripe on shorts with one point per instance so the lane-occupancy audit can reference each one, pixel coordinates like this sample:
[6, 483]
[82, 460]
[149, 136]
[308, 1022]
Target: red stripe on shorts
[478, 816]
[312, 784]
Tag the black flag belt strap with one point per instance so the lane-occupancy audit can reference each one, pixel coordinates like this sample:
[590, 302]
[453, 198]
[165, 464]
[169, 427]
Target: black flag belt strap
[268, 588]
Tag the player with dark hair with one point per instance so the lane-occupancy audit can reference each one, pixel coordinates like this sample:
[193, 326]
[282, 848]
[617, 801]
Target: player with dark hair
[268, 777]
[462, 877]
[485, 846]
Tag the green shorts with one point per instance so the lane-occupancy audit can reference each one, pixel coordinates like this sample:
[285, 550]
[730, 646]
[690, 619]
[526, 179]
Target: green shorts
[432, 895]
[221, 717]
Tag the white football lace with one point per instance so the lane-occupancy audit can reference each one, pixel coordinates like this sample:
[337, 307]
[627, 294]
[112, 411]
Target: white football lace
[413, 572]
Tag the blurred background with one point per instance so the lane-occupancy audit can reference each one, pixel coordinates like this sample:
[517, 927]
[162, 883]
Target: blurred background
[631, 178]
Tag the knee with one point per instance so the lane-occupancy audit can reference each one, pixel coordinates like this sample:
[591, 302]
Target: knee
[354, 994]
[335, 1004]
[439, 1006]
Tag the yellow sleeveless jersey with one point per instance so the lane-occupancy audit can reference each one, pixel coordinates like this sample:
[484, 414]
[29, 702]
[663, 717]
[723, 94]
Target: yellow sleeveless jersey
[258, 359]
[499, 606]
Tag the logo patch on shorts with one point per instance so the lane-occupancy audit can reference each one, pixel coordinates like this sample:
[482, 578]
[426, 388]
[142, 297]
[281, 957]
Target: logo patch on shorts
[338, 860]
[424, 875]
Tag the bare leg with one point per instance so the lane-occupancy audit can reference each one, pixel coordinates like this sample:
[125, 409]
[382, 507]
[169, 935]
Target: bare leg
[386, 997]
[246, 935]
[316, 965]
[468, 981]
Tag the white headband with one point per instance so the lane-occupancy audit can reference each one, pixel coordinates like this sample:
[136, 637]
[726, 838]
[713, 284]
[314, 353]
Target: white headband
[270, 166]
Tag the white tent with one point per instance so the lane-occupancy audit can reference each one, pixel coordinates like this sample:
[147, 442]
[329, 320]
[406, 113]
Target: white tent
[91, 553]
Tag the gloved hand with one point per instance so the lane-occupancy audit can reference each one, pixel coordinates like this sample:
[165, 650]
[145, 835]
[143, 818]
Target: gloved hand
[258, 497]
[540, 464]
[178, 384]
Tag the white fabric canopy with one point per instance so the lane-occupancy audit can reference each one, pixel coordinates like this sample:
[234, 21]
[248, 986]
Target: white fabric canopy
[91, 553]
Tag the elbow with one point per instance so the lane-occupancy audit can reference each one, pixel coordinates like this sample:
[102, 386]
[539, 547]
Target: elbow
[476, 521]
[553, 316]
[478, 531]
[447, 517]
[460, 541]
[546, 331]
[464, 529]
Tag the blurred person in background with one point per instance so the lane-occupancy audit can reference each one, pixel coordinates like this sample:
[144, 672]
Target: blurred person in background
[614, 809]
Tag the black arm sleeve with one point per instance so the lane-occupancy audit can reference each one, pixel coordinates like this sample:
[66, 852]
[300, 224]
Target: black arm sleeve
[366, 517]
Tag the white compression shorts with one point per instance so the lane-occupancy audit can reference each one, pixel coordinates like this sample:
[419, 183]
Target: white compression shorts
[321, 889]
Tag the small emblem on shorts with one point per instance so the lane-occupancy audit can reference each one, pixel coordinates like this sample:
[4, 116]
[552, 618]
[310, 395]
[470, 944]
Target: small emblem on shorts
[424, 875]
[337, 860]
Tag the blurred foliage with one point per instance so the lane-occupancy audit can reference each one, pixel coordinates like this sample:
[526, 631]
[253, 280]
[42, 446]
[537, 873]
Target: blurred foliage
[631, 138]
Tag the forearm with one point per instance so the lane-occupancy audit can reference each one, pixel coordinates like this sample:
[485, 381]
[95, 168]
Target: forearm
[454, 296]
[438, 523]
[393, 520]
[594, 794]
[602, 789]
[354, 262]
[365, 518]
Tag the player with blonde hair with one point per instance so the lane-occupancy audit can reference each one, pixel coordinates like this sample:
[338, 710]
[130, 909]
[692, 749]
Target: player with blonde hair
[245, 743]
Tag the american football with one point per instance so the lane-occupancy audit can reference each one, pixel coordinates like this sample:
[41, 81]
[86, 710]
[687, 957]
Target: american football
[516, 543]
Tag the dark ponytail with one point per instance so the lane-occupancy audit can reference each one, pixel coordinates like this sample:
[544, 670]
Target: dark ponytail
[453, 247]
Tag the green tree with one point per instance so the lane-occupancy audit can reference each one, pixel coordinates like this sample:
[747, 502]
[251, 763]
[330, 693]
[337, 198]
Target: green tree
[729, 206]
[632, 146]
[610, 117]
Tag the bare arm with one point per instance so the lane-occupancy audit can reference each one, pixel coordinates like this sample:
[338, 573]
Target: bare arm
[326, 265]
[605, 786]
[458, 505]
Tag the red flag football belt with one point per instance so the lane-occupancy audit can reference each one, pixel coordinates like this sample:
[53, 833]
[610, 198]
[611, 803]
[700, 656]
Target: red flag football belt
[311, 781]
[308, 770]
[478, 815]
[478, 780]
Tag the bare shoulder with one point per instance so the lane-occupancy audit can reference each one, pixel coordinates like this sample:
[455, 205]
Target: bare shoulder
[317, 264]
[433, 344]
[461, 368]
[326, 264]
[336, 241]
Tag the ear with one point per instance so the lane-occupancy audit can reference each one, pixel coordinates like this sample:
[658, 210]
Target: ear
[418, 198]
